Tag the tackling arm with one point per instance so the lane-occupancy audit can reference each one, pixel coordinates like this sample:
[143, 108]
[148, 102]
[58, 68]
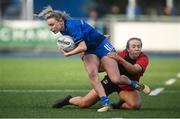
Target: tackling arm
[133, 69]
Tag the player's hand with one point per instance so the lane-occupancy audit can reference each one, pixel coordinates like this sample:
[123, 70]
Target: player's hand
[65, 53]
[114, 55]
[108, 36]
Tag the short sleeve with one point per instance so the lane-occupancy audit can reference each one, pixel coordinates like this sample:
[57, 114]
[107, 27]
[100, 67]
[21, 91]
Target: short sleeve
[143, 61]
[76, 32]
[122, 53]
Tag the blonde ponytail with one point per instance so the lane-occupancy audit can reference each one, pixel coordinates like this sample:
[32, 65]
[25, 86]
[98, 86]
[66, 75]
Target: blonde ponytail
[48, 12]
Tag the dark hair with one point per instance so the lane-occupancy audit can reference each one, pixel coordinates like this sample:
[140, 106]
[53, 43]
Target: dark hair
[134, 38]
[48, 12]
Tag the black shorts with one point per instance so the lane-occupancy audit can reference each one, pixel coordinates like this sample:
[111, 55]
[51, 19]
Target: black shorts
[109, 87]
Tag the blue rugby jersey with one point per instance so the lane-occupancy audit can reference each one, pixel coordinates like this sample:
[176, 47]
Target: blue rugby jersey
[79, 30]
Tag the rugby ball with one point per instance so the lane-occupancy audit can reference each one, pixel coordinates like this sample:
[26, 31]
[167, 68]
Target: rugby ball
[66, 43]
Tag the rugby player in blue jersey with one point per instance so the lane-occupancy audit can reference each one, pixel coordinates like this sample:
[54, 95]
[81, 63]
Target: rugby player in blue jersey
[95, 47]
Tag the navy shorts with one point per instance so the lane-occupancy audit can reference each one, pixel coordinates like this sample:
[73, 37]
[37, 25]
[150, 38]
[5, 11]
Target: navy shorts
[102, 50]
[109, 87]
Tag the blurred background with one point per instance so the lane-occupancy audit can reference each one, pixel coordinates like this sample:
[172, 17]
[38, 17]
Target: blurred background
[156, 22]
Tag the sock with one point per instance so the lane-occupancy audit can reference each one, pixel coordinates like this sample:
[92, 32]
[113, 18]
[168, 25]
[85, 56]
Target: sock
[105, 100]
[133, 84]
[117, 105]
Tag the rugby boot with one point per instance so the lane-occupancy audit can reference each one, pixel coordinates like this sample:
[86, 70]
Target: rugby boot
[143, 88]
[105, 108]
[62, 102]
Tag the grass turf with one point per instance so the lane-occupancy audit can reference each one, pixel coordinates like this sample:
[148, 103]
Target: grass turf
[69, 73]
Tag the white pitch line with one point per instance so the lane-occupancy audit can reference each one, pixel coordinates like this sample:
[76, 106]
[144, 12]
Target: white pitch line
[41, 91]
[156, 91]
[178, 75]
[170, 81]
[63, 90]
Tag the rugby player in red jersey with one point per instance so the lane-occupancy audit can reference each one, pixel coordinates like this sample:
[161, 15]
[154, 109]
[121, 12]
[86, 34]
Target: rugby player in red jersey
[132, 64]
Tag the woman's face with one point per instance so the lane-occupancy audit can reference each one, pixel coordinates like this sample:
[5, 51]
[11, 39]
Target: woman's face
[55, 26]
[134, 49]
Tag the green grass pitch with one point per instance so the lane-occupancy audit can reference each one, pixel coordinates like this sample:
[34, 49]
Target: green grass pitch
[26, 74]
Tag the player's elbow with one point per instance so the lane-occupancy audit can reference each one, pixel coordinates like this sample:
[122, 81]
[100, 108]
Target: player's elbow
[82, 46]
[136, 69]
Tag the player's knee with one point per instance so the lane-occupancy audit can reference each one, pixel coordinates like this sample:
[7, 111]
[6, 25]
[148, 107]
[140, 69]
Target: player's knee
[93, 74]
[116, 80]
[135, 106]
